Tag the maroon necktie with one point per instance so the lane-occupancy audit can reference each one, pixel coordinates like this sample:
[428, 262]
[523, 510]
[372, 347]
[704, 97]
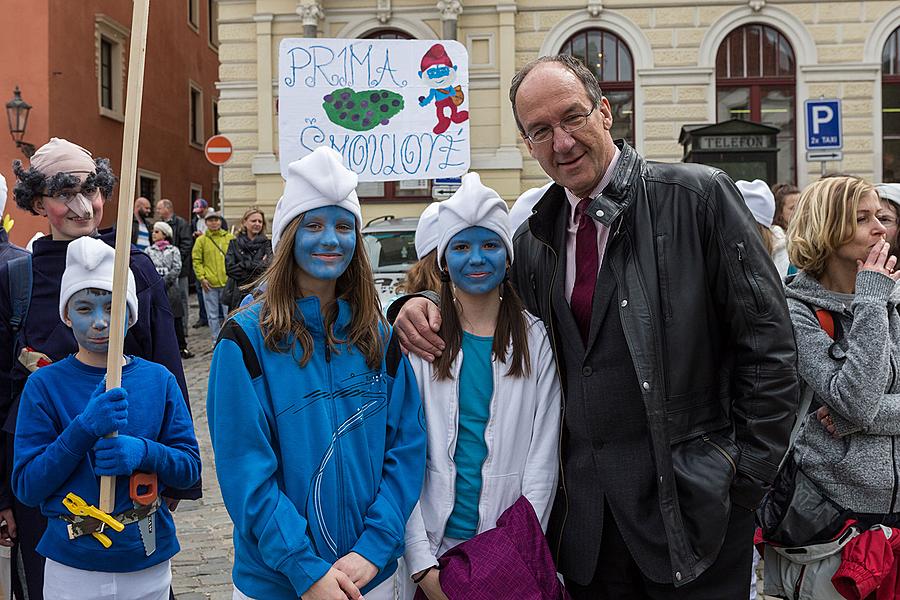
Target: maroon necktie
[586, 264]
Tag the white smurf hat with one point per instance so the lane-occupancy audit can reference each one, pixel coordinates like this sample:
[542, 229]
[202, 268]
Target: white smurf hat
[316, 180]
[524, 204]
[89, 264]
[427, 231]
[759, 199]
[473, 205]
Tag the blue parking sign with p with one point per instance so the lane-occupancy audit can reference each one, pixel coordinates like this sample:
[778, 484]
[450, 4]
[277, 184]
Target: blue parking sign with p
[823, 124]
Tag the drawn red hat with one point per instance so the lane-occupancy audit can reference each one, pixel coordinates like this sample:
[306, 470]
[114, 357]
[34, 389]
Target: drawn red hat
[436, 55]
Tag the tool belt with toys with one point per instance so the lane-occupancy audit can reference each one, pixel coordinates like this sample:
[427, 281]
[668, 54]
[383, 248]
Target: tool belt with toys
[89, 520]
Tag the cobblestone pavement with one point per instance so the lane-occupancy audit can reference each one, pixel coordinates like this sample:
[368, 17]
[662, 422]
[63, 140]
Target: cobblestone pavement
[202, 570]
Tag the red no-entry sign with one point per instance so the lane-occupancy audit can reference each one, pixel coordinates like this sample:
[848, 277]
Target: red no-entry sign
[218, 150]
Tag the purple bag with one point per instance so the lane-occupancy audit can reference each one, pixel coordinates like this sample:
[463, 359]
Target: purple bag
[511, 561]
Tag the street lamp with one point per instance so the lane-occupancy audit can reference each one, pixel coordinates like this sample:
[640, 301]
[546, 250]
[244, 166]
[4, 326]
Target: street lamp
[17, 114]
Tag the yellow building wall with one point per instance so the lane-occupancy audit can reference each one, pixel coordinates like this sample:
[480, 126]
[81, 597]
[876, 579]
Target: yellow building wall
[836, 45]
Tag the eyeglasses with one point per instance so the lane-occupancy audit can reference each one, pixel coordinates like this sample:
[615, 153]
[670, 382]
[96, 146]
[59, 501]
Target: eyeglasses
[70, 195]
[570, 124]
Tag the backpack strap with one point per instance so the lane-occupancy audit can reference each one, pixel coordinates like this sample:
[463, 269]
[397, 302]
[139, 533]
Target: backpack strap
[19, 270]
[830, 322]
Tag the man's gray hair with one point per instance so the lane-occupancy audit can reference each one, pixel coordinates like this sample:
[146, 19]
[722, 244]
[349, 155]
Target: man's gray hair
[591, 85]
[166, 203]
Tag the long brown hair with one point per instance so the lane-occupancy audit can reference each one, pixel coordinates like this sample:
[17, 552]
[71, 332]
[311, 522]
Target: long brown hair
[284, 332]
[423, 275]
[511, 327]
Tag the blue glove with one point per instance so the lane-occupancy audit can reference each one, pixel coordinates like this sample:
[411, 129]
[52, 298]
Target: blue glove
[106, 411]
[120, 455]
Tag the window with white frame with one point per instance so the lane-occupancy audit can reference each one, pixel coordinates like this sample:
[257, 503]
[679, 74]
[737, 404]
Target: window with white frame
[109, 58]
[195, 121]
[609, 59]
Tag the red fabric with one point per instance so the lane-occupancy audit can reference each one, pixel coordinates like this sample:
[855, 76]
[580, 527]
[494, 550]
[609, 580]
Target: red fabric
[870, 568]
[436, 55]
[587, 260]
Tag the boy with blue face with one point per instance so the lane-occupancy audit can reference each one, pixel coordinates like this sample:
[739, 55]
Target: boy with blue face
[61, 449]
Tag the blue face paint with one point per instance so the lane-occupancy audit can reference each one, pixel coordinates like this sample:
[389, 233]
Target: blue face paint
[476, 260]
[325, 242]
[89, 313]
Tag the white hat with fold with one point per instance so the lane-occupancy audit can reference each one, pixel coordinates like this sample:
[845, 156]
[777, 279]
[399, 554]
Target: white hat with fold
[89, 264]
[473, 205]
[316, 180]
[759, 199]
[427, 231]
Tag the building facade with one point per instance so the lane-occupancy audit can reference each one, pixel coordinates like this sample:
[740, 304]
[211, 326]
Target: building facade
[69, 59]
[663, 64]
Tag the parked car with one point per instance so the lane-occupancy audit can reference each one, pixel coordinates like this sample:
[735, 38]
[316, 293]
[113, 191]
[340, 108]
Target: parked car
[390, 244]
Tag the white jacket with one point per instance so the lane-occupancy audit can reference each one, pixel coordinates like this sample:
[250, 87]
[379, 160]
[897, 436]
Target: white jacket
[522, 437]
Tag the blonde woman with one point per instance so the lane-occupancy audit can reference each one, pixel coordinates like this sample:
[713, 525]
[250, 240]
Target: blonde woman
[850, 449]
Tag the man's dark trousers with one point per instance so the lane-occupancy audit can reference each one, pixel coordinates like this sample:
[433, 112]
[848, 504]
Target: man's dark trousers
[618, 577]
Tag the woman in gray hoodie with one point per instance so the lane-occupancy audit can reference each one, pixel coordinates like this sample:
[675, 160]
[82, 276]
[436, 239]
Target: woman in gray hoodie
[851, 448]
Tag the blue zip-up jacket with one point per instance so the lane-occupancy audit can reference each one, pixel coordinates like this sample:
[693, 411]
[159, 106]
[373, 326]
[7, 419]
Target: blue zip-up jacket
[316, 461]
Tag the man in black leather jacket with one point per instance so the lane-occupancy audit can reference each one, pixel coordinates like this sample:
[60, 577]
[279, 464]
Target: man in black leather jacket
[680, 382]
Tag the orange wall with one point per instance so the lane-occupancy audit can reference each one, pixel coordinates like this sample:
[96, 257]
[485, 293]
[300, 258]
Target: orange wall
[23, 63]
[175, 54]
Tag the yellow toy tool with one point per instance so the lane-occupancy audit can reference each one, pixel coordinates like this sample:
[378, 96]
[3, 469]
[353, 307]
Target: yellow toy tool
[78, 507]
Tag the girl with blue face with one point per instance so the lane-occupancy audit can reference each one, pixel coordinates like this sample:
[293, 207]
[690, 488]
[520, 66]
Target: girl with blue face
[339, 461]
[476, 261]
[493, 386]
[88, 314]
[323, 248]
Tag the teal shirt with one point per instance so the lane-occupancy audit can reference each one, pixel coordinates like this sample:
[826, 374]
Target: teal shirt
[476, 386]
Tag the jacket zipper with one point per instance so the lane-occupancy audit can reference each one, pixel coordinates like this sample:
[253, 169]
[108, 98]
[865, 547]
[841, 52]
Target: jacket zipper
[748, 275]
[562, 417]
[338, 458]
[451, 450]
[893, 449]
[722, 451]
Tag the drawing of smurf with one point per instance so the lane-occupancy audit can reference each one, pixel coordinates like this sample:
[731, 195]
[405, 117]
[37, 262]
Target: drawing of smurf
[438, 73]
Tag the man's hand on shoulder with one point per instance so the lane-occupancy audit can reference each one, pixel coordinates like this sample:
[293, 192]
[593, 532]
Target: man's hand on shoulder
[417, 325]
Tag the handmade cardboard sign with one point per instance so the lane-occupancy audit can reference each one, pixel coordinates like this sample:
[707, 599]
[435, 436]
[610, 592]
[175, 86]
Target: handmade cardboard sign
[394, 109]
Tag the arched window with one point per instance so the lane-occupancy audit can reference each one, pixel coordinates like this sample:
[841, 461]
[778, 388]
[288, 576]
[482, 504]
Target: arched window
[890, 109]
[756, 81]
[411, 189]
[388, 34]
[607, 56]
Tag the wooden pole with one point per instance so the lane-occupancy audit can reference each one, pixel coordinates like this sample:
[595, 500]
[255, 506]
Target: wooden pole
[130, 140]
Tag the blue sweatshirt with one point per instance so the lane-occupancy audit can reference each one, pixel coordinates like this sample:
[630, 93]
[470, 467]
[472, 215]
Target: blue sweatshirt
[152, 336]
[53, 457]
[316, 461]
